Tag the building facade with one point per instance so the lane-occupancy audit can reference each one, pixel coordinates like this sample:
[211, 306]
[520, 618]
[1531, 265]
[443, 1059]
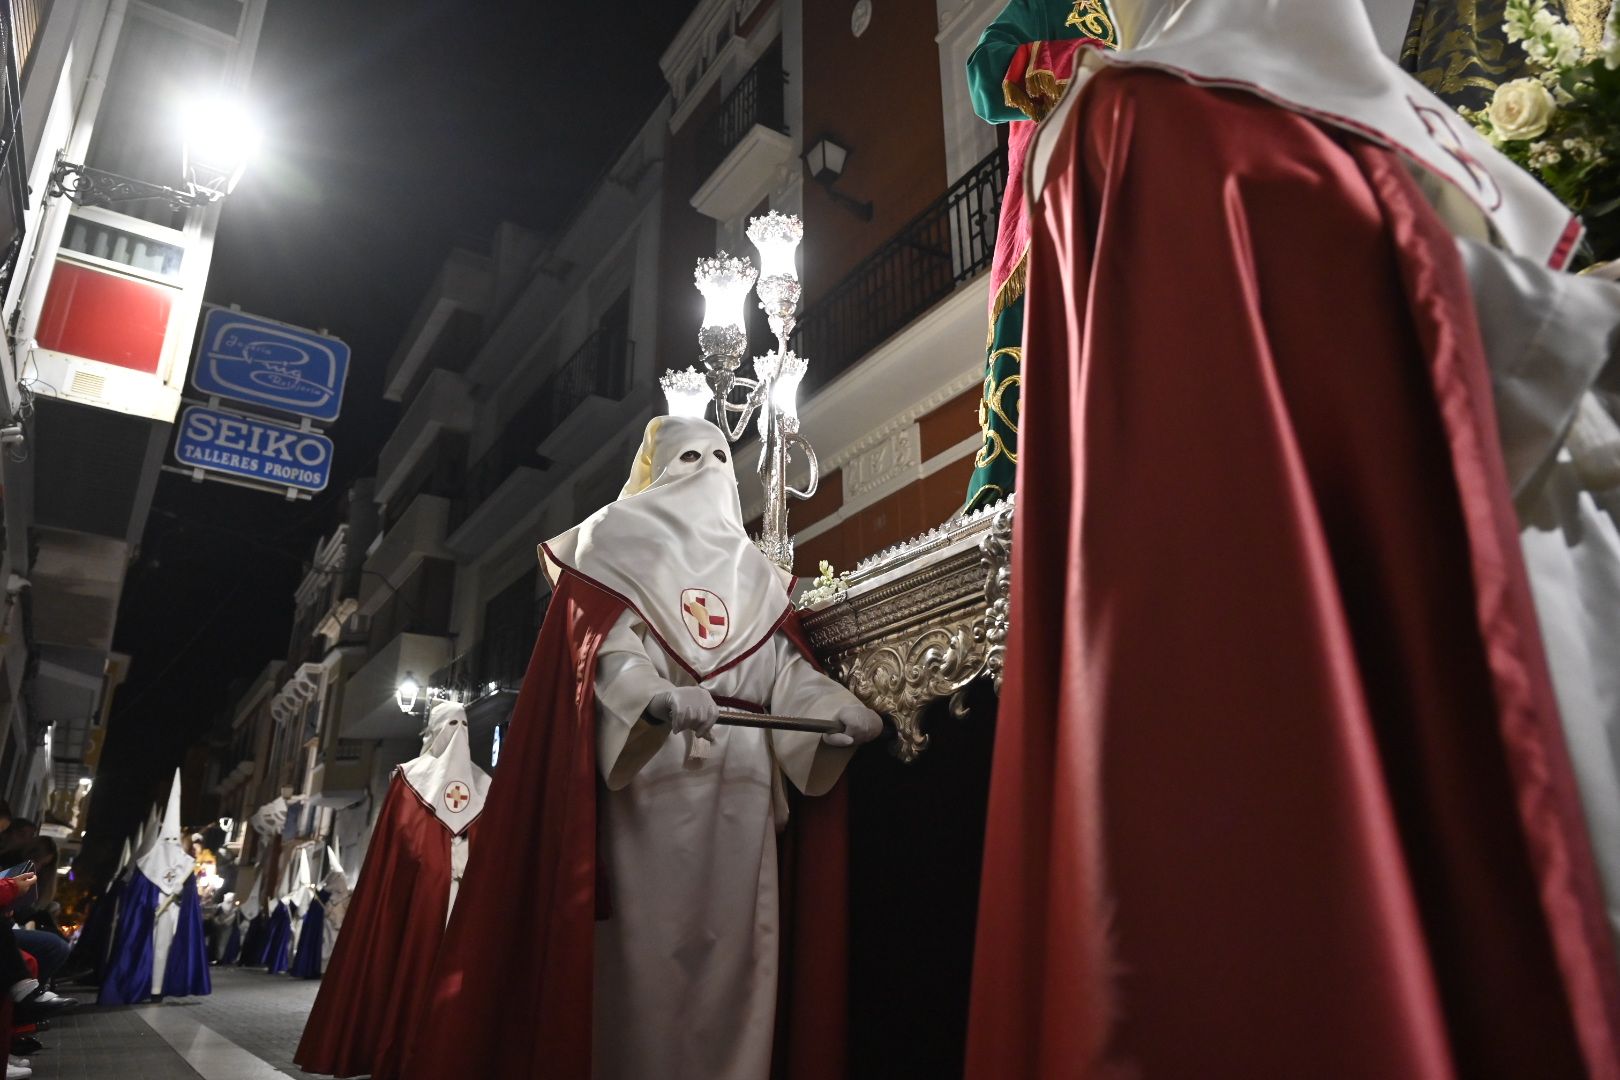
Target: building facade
[100, 297]
[530, 368]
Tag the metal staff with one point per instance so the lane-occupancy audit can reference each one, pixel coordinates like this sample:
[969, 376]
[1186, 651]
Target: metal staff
[739, 718]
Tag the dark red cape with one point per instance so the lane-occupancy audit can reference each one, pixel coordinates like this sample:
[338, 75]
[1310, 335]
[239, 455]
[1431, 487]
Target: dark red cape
[511, 992]
[1279, 788]
[374, 992]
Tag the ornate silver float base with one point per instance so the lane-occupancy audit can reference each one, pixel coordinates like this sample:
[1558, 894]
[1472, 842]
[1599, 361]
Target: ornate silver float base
[921, 621]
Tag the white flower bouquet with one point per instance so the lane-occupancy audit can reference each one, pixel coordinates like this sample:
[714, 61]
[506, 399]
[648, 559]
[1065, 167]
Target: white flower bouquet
[1563, 125]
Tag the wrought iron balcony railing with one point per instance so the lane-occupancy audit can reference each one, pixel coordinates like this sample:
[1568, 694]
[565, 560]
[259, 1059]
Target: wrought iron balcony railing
[948, 244]
[600, 366]
[760, 98]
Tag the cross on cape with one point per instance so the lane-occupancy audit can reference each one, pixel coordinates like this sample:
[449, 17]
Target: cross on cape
[698, 608]
[456, 796]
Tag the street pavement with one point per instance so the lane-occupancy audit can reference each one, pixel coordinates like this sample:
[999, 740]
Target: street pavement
[246, 1030]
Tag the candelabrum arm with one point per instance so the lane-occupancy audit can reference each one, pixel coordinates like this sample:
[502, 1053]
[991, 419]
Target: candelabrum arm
[725, 408]
[810, 456]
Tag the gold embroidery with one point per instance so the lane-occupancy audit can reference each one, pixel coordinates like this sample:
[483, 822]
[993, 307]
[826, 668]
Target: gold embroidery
[993, 448]
[1459, 48]
[1091, 18]
[1589, 17]
[995, 394]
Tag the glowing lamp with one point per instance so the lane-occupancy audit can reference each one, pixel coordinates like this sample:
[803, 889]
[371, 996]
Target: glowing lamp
[407, 693]
[686, 392]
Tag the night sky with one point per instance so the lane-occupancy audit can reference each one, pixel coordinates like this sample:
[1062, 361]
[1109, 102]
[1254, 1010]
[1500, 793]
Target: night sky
[395, 129]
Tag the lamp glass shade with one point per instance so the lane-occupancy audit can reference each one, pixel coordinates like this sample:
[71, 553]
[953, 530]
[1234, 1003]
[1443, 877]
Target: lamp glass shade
[776, 237]
[785, 387]
[826, 160]
[724, 282]
[686, 393]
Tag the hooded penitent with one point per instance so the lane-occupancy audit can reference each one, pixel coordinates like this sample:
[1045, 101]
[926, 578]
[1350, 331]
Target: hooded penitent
[1279, 786]
[374, 989]
[659, 593]
[721, 599]
[160, 946]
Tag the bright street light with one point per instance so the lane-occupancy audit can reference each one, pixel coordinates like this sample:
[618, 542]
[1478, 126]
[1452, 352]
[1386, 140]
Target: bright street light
[219, 138]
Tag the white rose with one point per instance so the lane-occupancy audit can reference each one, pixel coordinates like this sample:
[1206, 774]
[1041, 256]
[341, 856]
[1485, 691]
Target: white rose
[1521, 109]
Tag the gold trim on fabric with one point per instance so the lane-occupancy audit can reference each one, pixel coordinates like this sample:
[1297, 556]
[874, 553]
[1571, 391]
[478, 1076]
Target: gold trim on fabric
[979, 500]
[1009, 293]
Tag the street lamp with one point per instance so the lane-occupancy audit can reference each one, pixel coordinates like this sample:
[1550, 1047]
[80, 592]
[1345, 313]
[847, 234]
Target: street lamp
[407, 692]
[217, 141]
[772, 393]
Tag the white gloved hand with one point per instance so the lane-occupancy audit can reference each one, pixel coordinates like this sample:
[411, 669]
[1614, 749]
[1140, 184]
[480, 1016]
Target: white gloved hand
[861, 725]
[687, 708]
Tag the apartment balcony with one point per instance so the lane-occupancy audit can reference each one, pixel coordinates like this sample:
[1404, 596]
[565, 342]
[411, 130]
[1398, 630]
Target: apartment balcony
[462, 288]
[418, 534]
[745, 145]
[947, 245]
[343, 776]
[557, 424]
[442, 404]
[370, 706]
[581, 400]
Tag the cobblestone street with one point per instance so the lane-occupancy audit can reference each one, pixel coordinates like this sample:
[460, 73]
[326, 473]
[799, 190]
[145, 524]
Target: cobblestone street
[246, 1030]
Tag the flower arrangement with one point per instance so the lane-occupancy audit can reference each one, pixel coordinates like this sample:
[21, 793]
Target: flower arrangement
[1563, 124]
[829, 586]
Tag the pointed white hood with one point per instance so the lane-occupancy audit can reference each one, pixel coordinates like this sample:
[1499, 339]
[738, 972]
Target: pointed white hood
[337, 879]
[444, 777]
[1322, 58]
[674, 548]
[298, 887]
[166, 863]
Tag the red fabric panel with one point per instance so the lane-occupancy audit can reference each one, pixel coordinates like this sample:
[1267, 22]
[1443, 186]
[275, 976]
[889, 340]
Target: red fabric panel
[1279, 788]
[511, 992]
[813, 1025]
[105, 316]
[374, 993]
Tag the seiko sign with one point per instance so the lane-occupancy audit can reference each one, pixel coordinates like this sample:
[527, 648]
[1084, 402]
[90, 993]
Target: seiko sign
[253, 449]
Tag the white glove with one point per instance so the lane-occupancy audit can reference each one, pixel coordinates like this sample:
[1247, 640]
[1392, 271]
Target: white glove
[861, 725]
[687, 708]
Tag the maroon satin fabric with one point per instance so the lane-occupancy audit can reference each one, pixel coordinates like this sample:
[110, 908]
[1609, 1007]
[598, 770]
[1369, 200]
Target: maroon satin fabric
[1279, 788]
[511, 992]
[373, 995]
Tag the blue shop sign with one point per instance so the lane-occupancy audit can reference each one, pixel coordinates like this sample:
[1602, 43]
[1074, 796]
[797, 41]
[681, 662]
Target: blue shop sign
[253, 449]
[269, 364]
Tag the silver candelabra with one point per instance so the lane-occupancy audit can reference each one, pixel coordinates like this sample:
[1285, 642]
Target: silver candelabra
[773, 393]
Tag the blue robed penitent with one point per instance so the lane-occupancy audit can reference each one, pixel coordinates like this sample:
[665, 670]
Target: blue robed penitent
[186, 973]
[278, 944]
[128, 977]
[306, 962]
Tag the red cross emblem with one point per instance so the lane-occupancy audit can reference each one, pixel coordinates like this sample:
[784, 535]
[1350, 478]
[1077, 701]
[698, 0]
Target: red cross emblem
[1439, 127]
[706, 617]
[456, 796]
